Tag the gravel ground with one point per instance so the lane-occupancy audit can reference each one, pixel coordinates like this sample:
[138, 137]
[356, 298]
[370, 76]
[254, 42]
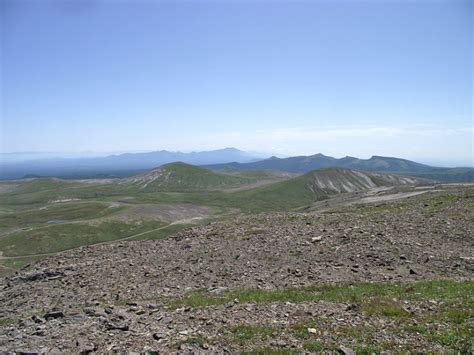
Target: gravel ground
[120, 296]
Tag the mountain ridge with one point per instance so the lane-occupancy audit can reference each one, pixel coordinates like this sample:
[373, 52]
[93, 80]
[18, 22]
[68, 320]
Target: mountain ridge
[319, 185]
[303, 164]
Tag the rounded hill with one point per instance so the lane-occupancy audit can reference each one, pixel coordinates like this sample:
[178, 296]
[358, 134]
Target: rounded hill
[181, 177]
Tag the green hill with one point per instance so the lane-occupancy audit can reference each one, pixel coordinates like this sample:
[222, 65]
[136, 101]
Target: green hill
[317, 185]
[181, 177]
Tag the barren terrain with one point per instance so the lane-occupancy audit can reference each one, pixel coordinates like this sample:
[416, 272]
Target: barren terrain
[395, 275]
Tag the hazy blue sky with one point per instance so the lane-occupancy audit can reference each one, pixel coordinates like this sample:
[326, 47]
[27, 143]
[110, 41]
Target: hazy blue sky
[289, 77]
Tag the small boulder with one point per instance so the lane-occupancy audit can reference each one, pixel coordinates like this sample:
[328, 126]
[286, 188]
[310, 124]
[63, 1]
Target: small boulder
[158, 336]
[345, 350]
[53, 315]
[37, 319]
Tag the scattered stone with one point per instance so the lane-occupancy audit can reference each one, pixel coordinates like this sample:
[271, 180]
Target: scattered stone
[23, 323]
[158, 336]
[94, 283]
[53, 315]
[279, 343]
[117, 323]
[345, 350]
[37, 319]
[44, 275]
[40, 331]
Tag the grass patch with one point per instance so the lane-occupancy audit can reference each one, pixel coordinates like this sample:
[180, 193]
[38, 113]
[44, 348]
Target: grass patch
[195, 340]
[454, 316]
[384, 307]
[162, 233]
[416, 329]
[457, 330]
[317, 346]
[18, 263]
[66, 236]
[5, 322]
[440, 202]
[368, 349]
[244, 333]
[300, 330]
[460, 339]
[58, 211]
[272, 351]
[443, 290]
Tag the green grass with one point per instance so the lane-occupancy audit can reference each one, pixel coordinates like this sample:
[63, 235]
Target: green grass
[280, 196]
[384, 307]
[266, 350]
[20, 262]
[45, 184]
[66, 236]
[416, 329]
[457, 331]
[369, 349]
[300, 330]
[375, 299]
[317, 346]
[439, 202]
[458, 338]
[181, 177]
[244, 333]
[33, 198]
[362, 334]
[195, 340]
[162, 233]
[6, 322]
[60, 211]
[443, 290]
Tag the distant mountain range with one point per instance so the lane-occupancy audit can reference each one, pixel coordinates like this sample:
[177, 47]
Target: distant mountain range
[303, 164]
[120, 165]
[230, 159]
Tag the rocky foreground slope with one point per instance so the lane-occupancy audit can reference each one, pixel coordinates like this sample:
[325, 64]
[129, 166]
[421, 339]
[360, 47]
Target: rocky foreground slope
[257, 282]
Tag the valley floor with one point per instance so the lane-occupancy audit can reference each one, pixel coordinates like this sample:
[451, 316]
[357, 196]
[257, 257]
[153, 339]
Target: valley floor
[390, 275]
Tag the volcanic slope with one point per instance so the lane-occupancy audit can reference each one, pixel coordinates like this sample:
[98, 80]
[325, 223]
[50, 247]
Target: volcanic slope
[319, 185]
[392, 276]
[181, 177]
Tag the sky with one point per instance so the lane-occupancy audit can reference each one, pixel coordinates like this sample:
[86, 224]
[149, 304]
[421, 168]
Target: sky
[356, 78]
